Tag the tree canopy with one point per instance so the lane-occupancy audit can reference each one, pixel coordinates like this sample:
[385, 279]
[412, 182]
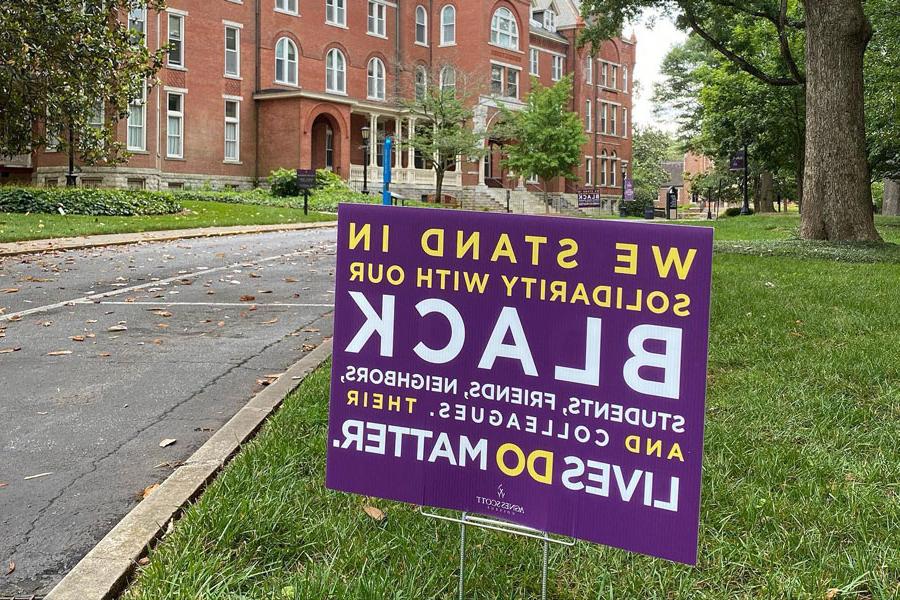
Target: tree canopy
[546, 138]
[70, 65]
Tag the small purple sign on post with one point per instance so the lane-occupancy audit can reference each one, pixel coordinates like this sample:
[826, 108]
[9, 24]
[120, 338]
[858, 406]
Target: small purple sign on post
[629, 189]
[546, 371]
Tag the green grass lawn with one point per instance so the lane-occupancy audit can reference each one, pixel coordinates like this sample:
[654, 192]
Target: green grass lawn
[19, 227]
[801, 489]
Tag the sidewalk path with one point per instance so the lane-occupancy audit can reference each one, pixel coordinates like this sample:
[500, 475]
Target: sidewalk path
[114, 239]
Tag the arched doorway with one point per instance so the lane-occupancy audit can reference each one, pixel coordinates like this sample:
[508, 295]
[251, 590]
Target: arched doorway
[326, 143]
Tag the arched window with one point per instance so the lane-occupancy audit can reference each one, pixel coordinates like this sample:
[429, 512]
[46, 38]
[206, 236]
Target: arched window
[421, 83]
[448, 78]
[603, 168]
[504, 29]
[448, 25]
[286, 62]
[376, 79]
[613, 166]
[336, 72]
[421, 25]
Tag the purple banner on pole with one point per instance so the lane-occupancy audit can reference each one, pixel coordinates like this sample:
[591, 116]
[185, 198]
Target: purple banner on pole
[546, 371]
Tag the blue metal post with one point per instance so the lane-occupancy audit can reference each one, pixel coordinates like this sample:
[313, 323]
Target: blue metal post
[386, 194]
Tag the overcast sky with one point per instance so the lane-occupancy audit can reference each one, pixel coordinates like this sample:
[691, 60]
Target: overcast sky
[654, 40]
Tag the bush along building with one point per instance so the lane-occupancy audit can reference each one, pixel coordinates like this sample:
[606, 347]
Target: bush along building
[250, 86]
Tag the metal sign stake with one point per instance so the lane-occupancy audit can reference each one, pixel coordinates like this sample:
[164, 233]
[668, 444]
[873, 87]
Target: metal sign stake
[504, 527]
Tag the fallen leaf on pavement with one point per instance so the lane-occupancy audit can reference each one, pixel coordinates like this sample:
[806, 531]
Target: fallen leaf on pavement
[144, 561]
[157, 341]
[274, 375]
[166, 442]
[264, 382]
[310, 330]
[290, 280]
[248, 298]
[308, 347]
[118, 328]
[162, 313]
[221, 323]
[36, 476]
[832, 594]
[255, 275]
[149, 490]
[3, 484]
[162, 325]
[104, 354]
[9, 350]
[9, 290]
[375, 513]
[263, 291]
[77, 338]
[10, 567]
[91, 321]
[270, 322]
[59, 353]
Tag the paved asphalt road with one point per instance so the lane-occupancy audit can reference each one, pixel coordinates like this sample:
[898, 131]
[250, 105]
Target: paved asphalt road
[173, 349]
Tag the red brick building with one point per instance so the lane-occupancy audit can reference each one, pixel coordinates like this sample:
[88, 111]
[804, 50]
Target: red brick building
[253, 85]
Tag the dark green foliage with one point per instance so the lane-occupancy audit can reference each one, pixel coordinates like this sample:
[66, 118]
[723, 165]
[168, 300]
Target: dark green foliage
[81, 201]
[735, 211]
[283, 183]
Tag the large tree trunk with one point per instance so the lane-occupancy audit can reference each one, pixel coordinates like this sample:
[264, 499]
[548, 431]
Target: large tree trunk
[891, 204]
[766, 193]
[837, 196]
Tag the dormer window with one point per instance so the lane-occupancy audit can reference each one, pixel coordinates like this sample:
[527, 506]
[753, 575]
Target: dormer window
[549, 20]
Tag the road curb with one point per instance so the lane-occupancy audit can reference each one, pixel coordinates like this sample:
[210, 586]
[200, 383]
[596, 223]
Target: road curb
[103, 573]
[118, 239]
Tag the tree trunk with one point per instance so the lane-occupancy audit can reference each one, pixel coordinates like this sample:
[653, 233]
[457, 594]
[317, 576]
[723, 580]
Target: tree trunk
[439, 185]
[891, 204]
[766, 192]
[836, 192]
[800, 178]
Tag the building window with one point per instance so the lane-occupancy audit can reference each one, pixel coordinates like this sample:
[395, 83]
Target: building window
[496, 79]
[588, 69]
[98, 117]
[448, 78]
[421, 25]
[589, 171]
[376, 79]
[286, 62]
[335, 72]
[588, 118]
[335, 12]
[602, 172]
[603, 118]
[329, 147]
[612, 169]
[232, 51]
[559, 64]
[504, 29]
[232, 131]
[613, 119]
[421, 83]
[176, 40]
[288, 6]
[604, 75]
[376, 18]
[175, 126]
[137, 23]
[624, 79]
[549, 20]
[137, 125]
[512, 83]
[614, 78]
[624, 122]
[534, 61]
[448, 25]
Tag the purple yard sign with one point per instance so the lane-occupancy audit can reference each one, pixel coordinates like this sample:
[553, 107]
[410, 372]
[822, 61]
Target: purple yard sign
[545, 371]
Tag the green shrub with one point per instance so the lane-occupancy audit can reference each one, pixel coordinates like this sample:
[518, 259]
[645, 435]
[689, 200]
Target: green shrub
[635, 208]
[83, 201]
[283, 183]
[735, 211]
